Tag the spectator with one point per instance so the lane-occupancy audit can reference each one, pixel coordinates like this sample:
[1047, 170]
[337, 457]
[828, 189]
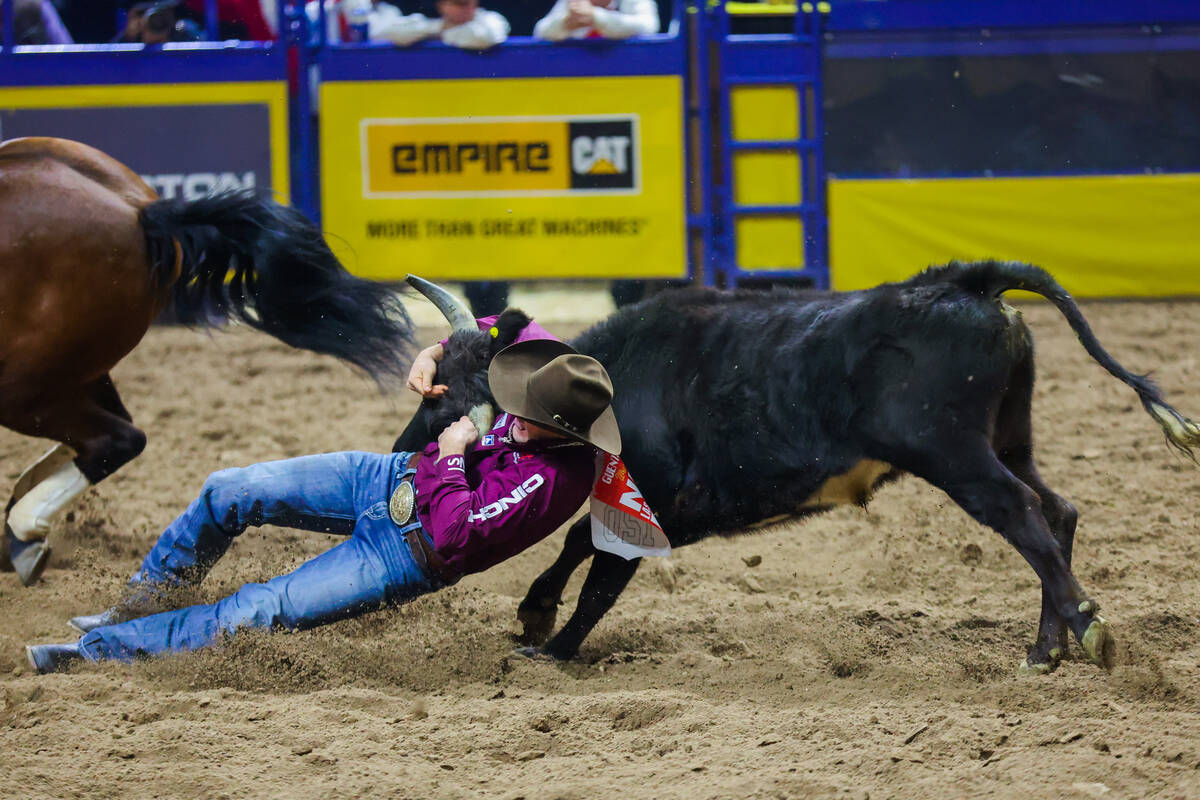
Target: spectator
[37, 22]
[249, 20]
[460, 23]
[336, 29]
[89, 20]
[157, 22]
[598, 19]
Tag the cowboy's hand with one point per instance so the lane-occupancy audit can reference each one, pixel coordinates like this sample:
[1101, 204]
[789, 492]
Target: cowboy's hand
[424, 370]
[457, 437]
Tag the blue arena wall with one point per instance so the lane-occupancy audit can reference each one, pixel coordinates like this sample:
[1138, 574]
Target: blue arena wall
[821, 143]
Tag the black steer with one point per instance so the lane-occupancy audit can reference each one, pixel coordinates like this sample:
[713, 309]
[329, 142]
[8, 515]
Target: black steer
[463, 369]
[740, 407]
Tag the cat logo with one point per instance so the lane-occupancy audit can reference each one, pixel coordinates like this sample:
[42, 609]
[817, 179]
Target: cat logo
[603, 154]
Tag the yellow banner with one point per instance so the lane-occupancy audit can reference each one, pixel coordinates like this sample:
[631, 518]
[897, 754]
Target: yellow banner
[505, 178]
[1100, 236]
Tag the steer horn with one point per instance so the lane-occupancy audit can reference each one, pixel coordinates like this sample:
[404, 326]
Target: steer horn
[456, 313]
[483, 415]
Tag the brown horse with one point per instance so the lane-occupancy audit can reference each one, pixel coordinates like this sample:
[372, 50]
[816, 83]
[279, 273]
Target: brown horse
[89, 257]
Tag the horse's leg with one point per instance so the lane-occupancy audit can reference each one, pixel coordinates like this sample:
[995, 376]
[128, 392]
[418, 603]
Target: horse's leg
[114, 442]
[38, 471]
[96, 425]
[538, 610]
[34, 474]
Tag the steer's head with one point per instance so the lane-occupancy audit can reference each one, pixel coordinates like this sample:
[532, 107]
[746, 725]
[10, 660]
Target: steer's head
[463, 369]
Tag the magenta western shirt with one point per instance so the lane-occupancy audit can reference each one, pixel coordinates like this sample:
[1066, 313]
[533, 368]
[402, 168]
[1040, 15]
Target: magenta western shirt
[500, 497]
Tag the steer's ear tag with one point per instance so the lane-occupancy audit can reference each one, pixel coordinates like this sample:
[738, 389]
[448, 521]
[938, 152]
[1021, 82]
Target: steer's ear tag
[622, 522]
[494, 331]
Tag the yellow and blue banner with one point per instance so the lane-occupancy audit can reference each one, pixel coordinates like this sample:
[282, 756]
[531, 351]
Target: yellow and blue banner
[185, 140]
[505, 177]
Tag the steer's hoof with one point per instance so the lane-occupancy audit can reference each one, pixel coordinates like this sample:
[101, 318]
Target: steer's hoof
[1098, 643]
[1033, 668]
[1032, 665]
[538, 624]
[533, 654]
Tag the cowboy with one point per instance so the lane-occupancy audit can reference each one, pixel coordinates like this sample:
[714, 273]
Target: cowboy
[416, 521]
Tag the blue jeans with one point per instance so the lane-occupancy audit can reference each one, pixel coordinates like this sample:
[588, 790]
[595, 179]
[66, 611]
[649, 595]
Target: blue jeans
[345, 493]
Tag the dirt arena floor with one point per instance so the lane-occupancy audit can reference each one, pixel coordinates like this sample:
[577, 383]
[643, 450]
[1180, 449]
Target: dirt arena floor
[866, 653]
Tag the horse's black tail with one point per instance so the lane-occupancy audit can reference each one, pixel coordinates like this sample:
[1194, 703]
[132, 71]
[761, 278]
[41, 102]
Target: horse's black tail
[991, 278]
[265, 264]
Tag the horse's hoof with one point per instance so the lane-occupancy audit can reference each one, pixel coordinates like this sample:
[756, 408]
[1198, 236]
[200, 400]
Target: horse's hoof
[28, 559]
[1098, 643]
[6, 564]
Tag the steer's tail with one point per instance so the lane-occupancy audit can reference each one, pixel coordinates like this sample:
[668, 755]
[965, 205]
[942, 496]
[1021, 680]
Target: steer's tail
[991, 278]
[241, 257]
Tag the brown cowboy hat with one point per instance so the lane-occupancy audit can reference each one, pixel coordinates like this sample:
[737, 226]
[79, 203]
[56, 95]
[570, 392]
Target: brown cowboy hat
[548, 383]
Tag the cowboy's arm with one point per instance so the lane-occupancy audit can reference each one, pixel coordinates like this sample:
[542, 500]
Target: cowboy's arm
[424, 368]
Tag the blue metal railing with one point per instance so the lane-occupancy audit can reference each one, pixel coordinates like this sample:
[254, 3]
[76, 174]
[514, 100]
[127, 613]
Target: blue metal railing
[911, 28]
[787, 60]
[926, 16]
[9, 24]
[698, 40]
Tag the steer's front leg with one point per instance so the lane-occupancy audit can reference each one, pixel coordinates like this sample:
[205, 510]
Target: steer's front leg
[540, 606]
[607, 578]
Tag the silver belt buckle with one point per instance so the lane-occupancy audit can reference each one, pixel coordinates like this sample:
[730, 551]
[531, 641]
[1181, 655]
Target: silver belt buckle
[400, 507]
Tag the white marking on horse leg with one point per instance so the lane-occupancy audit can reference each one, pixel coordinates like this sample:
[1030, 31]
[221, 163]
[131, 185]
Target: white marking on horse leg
[31, 517]
[41, 469]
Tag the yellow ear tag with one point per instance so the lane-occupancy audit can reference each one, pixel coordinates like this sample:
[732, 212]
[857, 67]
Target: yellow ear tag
[494, 331]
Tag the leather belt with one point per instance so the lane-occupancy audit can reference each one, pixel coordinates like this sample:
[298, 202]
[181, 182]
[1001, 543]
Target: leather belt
[422, 551]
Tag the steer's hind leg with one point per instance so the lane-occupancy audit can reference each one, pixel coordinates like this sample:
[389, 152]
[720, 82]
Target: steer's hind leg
[968, 470]
[607, 578]
[1061, 516]
[1013, 442]
[539, 609]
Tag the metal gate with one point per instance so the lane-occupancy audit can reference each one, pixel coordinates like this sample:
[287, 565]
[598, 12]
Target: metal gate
[766, 181]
